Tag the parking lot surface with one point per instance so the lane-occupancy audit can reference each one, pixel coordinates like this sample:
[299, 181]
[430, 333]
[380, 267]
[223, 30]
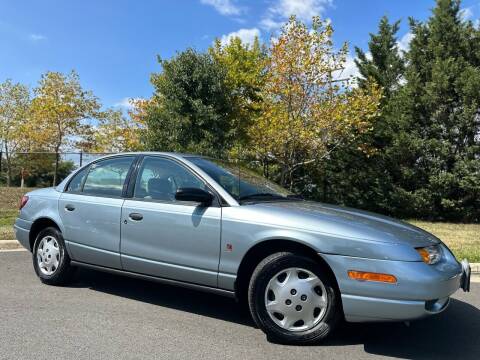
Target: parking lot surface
[103, 316]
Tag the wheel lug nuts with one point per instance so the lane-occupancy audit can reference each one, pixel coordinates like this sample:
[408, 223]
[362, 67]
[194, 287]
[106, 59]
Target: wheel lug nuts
[303, 297]
[298, 308]
[293, 291]
[288, 301]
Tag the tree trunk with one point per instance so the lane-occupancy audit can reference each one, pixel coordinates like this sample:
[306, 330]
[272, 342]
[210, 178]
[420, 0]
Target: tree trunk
[9, 166]
[283, 175]
[55, 172]
[325, 184]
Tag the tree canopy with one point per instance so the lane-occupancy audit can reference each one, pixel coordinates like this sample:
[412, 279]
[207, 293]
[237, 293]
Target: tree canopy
[308, 110]
[192, 108]
[14, 119]
[401, 138]
[426, 154]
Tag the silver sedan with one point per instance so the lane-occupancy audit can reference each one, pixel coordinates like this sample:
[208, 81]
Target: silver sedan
[215, 226]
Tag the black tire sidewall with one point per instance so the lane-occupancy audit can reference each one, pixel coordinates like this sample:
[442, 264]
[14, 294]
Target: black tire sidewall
[64, 268]
[264, 272]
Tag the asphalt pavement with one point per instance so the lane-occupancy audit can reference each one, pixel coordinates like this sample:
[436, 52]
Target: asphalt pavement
[103, 316]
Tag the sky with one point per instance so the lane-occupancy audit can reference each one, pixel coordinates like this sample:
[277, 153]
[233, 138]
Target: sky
[113, 44]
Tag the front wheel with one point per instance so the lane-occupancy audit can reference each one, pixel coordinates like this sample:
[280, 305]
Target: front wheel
[50, 258]
[293, 299]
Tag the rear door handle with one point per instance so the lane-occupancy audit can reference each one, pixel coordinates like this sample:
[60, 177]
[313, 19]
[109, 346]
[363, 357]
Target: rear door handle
[135, 216]
[69, 207]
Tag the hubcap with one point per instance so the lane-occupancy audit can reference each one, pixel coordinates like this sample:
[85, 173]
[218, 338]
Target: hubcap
[48, 255]
[296, 299]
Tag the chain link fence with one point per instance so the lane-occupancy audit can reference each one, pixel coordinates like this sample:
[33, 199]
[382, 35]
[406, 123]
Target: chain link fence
[37, 169]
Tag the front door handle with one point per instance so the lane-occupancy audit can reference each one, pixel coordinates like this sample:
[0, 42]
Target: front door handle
[69, 207]
[135, 216]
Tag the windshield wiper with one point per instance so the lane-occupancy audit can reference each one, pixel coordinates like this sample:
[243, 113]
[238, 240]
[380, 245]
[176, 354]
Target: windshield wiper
[259, 196]
[295, 197]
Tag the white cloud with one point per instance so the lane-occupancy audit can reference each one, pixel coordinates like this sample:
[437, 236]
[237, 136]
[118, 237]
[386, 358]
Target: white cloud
[404, 43]
[283, 9]
[466, 13]
[37, 37]
[268, 23]
[246, 35]
[351, 69]
[350, 72]
[125, 103]
[224, 7]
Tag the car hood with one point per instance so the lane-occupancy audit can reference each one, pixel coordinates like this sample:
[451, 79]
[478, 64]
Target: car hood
[347, 222]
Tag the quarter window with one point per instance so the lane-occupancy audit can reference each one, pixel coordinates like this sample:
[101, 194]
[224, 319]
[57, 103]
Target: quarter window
[107, 177]
[159, 179]
[76, 183]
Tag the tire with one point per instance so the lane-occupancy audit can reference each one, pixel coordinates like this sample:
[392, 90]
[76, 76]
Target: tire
[315, 300]
[51, 262]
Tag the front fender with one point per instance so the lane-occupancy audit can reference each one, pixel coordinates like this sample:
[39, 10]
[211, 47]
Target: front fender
[240, 235]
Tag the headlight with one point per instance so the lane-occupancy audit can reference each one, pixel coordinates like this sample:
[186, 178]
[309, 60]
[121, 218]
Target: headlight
[430, 254]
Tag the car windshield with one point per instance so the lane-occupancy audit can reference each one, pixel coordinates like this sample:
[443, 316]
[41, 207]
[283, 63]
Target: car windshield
[241, 183]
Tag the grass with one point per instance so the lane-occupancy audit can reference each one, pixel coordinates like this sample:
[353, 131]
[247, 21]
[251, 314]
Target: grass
[462, 239]
[9, 200]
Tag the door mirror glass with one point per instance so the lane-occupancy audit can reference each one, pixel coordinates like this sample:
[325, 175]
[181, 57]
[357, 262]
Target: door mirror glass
[194, 194]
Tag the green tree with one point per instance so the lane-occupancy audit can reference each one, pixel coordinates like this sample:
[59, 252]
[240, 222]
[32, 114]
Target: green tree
[245, 66]
[14, 111]
[441, 107]
[384, 63]
[60, 111]
[361, 173]
[192, 109]
[38, 169]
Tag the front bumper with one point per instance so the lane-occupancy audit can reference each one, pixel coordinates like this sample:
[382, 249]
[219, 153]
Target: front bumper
[421, 289]
[370, 309]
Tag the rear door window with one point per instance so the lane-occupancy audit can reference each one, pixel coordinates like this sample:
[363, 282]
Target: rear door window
[107, 177]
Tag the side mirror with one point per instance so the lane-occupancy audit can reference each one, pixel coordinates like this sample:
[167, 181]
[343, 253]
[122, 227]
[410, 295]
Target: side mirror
[194, 194]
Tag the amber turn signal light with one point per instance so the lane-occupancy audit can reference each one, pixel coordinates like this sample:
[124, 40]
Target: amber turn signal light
[430, 254]
[370, 276]
[424, 254]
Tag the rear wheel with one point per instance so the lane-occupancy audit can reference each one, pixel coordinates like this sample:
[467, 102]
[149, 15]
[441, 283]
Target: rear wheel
[293, 299]
[50, 259]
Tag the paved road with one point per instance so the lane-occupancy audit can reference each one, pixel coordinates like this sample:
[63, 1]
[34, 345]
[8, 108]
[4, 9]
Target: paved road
[102, 316]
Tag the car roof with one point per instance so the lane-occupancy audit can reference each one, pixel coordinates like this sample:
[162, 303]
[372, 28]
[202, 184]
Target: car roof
[166, 153]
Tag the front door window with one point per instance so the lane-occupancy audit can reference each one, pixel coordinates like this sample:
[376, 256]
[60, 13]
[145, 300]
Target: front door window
[160, 178]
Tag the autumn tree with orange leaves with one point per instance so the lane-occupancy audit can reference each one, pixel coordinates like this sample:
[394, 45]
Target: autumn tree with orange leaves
[115, 132]
[309, 106]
